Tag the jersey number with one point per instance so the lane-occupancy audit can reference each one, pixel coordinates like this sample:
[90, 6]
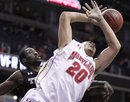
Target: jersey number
[77, 72]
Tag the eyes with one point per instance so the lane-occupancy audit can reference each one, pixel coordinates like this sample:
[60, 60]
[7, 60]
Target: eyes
[91, 43]
[30, 51]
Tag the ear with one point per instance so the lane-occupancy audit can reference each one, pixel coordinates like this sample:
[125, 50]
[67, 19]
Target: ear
[24, 60]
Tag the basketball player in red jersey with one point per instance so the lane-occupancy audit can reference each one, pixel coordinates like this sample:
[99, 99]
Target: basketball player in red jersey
[70, 72]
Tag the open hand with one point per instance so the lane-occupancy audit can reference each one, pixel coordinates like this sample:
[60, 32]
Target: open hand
[93, 13]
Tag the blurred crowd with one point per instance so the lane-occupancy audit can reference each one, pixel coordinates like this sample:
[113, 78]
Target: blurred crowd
[13, 38]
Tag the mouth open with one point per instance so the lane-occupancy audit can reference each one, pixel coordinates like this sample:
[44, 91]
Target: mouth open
[89, 52]
[38, 58]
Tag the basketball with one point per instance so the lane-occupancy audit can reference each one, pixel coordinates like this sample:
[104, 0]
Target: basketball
[114, 18]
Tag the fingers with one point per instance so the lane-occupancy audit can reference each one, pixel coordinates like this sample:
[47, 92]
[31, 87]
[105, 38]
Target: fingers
[100, 7]
[93, 4]
[88, 6]
[86, 10]
[109, 89]
[103, 9]
[93, 12]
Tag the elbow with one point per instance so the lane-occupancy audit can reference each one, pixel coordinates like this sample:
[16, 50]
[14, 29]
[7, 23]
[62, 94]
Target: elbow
[65, 17]
[117, 47]
[64, 13]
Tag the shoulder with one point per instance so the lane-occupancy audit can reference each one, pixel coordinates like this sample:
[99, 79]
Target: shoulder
[17, 73]
[15, 77]
[72, 44]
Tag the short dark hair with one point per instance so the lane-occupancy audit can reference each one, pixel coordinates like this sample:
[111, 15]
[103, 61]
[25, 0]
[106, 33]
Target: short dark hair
[22, 54]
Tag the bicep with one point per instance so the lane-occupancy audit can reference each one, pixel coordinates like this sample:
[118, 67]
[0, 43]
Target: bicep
[15, 77]
[6, 86]
[104, 59]
[10, 83]
[65, 31]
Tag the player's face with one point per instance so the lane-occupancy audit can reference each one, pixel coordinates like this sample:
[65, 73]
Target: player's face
[32, 57]
[90, 48]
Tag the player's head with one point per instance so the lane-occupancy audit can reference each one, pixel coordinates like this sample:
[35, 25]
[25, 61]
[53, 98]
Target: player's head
[30, 58]
[90, 48]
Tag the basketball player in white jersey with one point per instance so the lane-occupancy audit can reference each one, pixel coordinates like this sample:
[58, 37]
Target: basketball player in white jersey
[70, 72]
[30, 58]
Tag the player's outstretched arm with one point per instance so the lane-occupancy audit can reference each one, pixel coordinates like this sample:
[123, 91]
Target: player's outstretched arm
[65, 20]
[101, 90]
[11, 82]
[65, 30]
[109, 53]
[105, 84]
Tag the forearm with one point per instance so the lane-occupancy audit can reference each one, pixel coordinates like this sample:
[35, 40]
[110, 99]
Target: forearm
[97, 81]
[110, 36]
[5, 87]
[75, 17]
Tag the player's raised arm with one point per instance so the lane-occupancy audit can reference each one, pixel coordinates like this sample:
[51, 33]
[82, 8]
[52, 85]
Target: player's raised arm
[65, 30]
[109, 53]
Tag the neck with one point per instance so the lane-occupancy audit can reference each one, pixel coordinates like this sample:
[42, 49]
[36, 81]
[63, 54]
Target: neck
[36, 69]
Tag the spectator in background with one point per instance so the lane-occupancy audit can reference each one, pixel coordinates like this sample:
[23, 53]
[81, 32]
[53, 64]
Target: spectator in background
[125, 65]
[5, 48]
[49, 48]
[126, 35]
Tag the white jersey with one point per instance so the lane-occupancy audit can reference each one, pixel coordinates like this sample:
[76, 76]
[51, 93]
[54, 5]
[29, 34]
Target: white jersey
[33, 95]
[67, 74]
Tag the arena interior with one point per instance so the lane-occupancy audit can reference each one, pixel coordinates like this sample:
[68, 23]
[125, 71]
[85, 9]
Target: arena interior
[34, 23]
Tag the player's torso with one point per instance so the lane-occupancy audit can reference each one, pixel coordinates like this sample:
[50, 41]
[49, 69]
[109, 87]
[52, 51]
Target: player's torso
[29, 82]
[69, 72]
[29, 77]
